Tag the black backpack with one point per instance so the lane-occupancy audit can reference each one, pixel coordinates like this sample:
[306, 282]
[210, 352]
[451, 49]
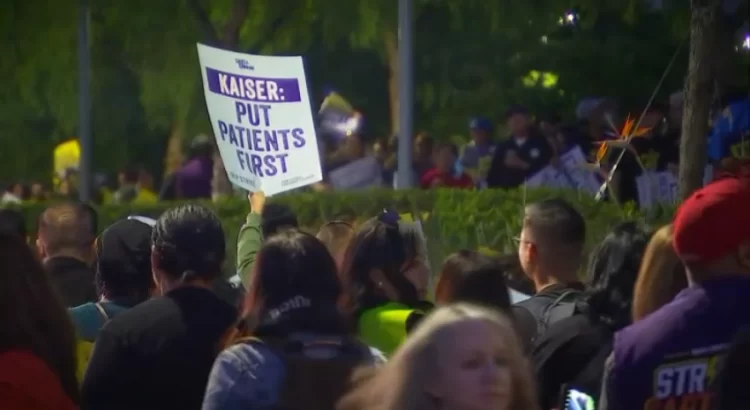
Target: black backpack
[565, 306]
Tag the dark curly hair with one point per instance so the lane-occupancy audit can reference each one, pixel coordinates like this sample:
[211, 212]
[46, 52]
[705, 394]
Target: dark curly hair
[613, 270]
[189, 243]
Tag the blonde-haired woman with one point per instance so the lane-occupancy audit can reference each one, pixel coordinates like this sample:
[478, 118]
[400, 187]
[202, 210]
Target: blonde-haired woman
[661, 276]
[461, 357]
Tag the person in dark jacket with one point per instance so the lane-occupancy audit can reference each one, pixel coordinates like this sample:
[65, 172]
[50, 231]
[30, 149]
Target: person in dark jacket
[520, 156]
[573, 350]
[158, 354]
[123, 275]
[65, 244]
[550, 249]
[670, 359]
[731, 384]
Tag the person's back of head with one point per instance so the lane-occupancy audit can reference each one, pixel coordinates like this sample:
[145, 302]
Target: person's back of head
[468, 276]
[12, 222]
[661, 275]
[188, 246]
[32, 315]
[275, 218]
[295, 276]
[552, 240]
[711, 230]
[295, 289]
[201, 147]
[65, 230]
[336, 235]
[128, 175]
[613, 269]
[123, 263]
[374, 261]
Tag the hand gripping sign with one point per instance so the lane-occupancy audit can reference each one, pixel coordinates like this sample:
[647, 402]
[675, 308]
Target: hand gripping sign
[260, 114]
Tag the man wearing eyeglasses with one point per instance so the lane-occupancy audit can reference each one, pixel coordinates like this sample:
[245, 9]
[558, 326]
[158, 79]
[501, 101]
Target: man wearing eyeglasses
[550, 249]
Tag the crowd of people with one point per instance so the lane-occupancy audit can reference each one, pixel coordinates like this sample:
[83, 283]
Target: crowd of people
[532, 141]
[139, 316]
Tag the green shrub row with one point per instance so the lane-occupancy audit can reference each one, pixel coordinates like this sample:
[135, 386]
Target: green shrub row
[452, 219]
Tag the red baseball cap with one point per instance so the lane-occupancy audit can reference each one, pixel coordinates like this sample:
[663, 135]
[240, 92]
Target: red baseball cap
[713, 221]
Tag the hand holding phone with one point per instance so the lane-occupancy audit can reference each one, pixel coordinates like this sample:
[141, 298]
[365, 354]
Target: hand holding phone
[574, 399]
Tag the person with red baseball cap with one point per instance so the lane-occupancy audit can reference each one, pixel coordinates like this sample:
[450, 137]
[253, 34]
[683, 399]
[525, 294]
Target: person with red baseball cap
[669, 360]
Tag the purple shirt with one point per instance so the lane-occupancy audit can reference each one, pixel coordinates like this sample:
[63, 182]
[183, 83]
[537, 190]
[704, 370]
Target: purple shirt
[194, 178]
[669, 359]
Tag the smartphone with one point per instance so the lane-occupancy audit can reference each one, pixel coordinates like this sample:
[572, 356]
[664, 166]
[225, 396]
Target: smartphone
[572, 398]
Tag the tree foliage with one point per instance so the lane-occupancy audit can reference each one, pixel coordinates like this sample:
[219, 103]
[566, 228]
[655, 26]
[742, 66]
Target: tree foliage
[470, 58]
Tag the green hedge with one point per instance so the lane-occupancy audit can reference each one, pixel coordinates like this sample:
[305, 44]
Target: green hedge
[455, 219]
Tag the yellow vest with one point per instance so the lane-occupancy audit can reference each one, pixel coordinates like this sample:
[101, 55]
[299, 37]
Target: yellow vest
[83, 350]
[384, 327]
[146, 196]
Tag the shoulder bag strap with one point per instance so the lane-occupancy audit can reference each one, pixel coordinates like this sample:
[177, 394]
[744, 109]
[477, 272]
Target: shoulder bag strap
[556, 310]
[101, 310]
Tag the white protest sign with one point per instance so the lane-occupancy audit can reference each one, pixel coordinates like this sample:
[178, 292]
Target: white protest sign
[661, 187]
[708, 174]
[260, 112]
[656, 187]
[548, 177]
[362, 173]
[584, 179]
[569, 174]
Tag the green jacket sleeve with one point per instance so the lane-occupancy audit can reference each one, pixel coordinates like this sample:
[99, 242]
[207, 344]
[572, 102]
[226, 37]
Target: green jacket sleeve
[248, 244]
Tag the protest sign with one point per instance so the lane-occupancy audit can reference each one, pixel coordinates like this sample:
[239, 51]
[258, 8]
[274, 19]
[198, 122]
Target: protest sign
[338, 119]
[655, 188]
[260, 113]
[573, 163]
[67, 157]
[548, 177]
[661, 187]
[569, 174]
[362, 173]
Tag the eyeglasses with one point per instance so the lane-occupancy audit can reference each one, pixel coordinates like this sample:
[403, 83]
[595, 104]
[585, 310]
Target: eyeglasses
[389, 217]
[518, 240]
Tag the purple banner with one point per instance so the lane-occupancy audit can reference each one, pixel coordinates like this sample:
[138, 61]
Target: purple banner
[256, 89]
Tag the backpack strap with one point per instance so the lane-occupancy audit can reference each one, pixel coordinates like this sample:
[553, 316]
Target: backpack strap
[101, 310]
[346, 347]
[561, 308]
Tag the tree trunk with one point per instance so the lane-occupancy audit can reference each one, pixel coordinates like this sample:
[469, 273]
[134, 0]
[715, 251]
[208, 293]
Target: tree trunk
[175, 156]
[391, 55]
[230, 38]
[699, 87]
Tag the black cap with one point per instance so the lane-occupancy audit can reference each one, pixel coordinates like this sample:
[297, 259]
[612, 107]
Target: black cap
[124, 252]
[276, 216]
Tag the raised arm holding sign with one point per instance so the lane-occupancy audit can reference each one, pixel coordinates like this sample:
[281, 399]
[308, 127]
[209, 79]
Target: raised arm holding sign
[260, 112]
